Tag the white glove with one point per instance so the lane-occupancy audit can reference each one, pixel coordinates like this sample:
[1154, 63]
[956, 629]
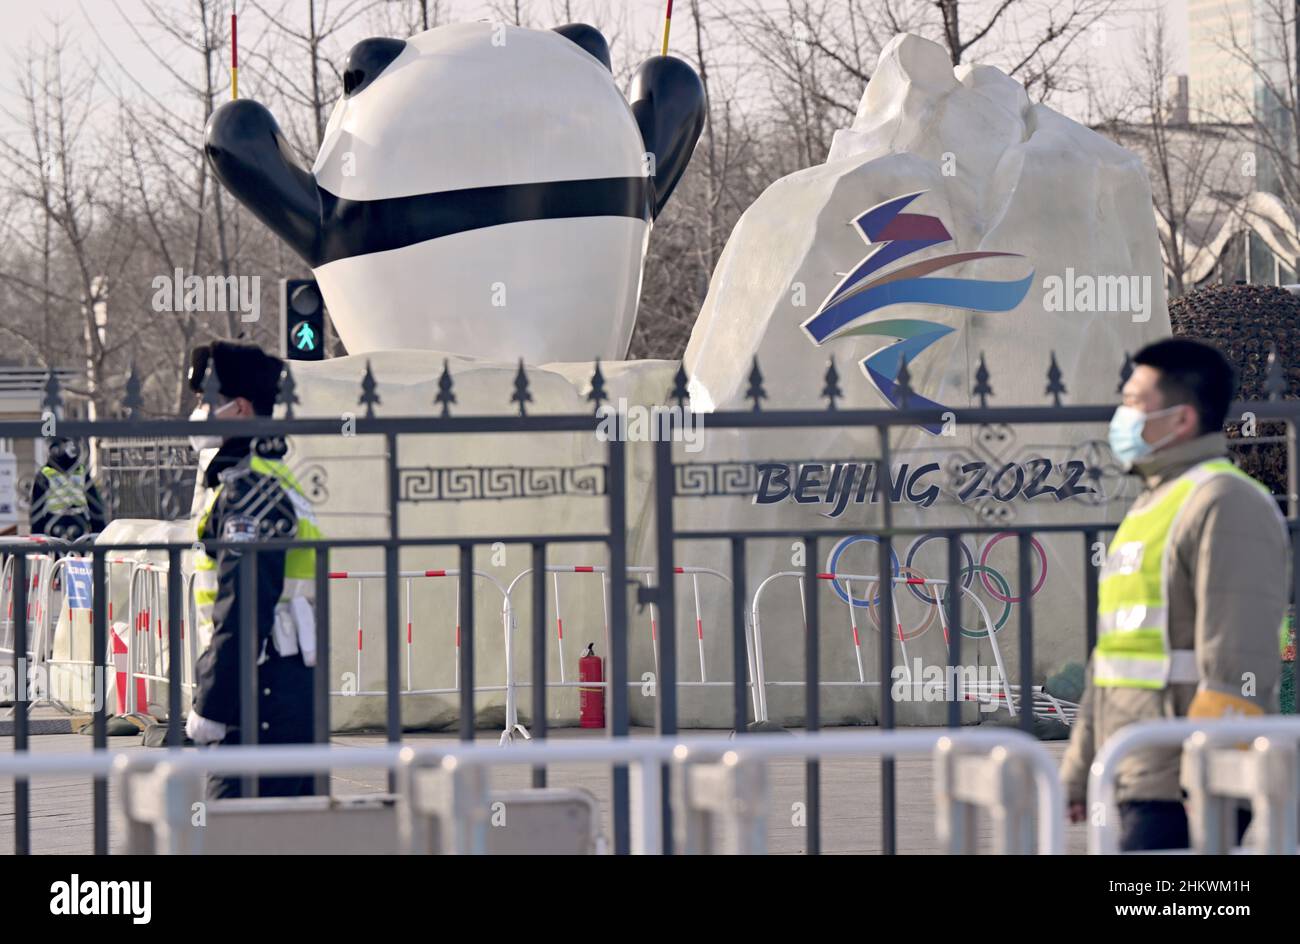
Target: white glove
[202, 730]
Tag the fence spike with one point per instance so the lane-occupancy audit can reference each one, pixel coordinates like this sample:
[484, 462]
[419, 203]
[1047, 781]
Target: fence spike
[832, 392]
[597, 394]
[756, 393]
[369, 392]
[446, 396]
[680, 392]
[1274, 382]
[1125, 372]
[287, 394]
[53, 401]
[982, 389]
[132, 401]
[903, 384]
[521, 395]
[1054, 385]
[211, 390]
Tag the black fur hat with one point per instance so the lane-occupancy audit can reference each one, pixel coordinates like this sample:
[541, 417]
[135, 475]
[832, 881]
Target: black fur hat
[242, 370]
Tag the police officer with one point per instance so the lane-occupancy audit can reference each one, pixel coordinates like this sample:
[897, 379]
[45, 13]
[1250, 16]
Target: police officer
[65, 502]
[1192, 592]
[253, 497]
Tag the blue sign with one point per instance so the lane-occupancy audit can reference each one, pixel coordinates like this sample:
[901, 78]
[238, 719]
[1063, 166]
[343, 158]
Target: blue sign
[77, 583]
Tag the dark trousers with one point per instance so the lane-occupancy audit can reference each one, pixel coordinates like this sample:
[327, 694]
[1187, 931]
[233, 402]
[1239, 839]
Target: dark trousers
[231, 788]
[286, 710]
[1148, 825]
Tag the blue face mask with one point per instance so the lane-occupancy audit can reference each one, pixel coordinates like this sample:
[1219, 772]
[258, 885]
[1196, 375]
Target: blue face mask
[1126, 440]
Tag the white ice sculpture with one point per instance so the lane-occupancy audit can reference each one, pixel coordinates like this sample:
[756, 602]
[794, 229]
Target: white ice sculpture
[998, 175]
[954, 220]
[481, 188]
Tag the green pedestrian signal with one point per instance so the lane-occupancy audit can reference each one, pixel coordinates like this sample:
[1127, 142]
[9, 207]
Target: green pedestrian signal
[304, 338]
[302, 320]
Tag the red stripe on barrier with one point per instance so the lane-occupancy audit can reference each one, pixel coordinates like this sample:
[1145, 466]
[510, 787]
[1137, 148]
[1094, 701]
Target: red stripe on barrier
[559, 627]
[435, 573]
[679, 570]
[855, 638]
[699, 629]
[914, 580]
[358, 639]
[408, 632]
[584, 569]
[458, 635]
[338, 574]
[654, 631]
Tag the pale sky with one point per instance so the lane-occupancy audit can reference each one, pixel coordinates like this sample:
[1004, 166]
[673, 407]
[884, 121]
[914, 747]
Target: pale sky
[92, 25]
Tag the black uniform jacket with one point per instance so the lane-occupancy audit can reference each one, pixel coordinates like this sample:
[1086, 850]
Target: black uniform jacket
[251, 506]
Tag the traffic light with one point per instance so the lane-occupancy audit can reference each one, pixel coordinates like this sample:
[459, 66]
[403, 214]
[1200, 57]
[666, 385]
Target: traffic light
[302, 320]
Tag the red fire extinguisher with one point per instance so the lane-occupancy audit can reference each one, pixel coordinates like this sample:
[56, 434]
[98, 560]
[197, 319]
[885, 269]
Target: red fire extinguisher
[591, 701]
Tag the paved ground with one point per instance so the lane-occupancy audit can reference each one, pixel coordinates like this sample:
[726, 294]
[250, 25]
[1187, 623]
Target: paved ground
[61, 808]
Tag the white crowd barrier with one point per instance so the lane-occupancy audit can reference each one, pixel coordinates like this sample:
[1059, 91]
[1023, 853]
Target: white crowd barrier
[36, 563]
[46, 615]
[999, 689]
[645, 573]
[139, 645]
[466, 769]
[1225, 762]
[512, 725]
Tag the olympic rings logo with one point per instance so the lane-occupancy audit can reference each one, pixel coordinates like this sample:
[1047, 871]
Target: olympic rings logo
[992, 580]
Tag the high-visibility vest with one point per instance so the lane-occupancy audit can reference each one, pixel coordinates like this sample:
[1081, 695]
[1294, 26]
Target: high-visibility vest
[1133, 649]
[299, 563]
[65, 492]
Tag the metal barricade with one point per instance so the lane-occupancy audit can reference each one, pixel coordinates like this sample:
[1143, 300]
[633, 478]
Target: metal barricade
[146, 636]
[512, 725]
[466, 804]
[911, 579]
[37, 565]
[646, 573]
[1217, 773]
[42, 617]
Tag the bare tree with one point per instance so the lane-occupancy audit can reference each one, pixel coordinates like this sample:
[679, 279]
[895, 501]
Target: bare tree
[1184, 154]
[316, 42]
[408, 17]
[1272, 99]
[68, 198]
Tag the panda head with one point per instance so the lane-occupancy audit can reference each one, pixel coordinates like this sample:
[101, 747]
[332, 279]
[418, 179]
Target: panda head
[481, 189]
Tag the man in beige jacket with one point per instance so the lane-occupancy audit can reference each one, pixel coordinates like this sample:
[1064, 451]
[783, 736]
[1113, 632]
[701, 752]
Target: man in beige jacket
[1191, 595]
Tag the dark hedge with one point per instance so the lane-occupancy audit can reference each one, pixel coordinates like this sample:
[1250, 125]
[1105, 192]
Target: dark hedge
[1242, 321]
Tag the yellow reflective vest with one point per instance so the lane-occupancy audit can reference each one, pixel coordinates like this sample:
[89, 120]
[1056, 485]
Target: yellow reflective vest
[1133, 649]
[299, 563]
[65, 492]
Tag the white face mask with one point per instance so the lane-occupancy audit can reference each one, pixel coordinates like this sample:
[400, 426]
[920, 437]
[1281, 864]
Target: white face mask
[201, 441]
[1126, 428]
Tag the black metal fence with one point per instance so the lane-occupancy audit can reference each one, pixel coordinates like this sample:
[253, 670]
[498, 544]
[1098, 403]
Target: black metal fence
[146, 478]
[613, 534]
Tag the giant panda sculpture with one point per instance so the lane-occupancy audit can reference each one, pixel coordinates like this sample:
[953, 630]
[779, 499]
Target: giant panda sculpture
[481, 189]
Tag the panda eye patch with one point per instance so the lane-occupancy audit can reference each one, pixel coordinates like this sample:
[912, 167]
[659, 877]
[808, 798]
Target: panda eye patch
[366, 60]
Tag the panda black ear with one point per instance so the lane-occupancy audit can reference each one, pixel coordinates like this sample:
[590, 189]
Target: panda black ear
[589, 38]
[366, 60]
[250, 157]
[668, 102]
